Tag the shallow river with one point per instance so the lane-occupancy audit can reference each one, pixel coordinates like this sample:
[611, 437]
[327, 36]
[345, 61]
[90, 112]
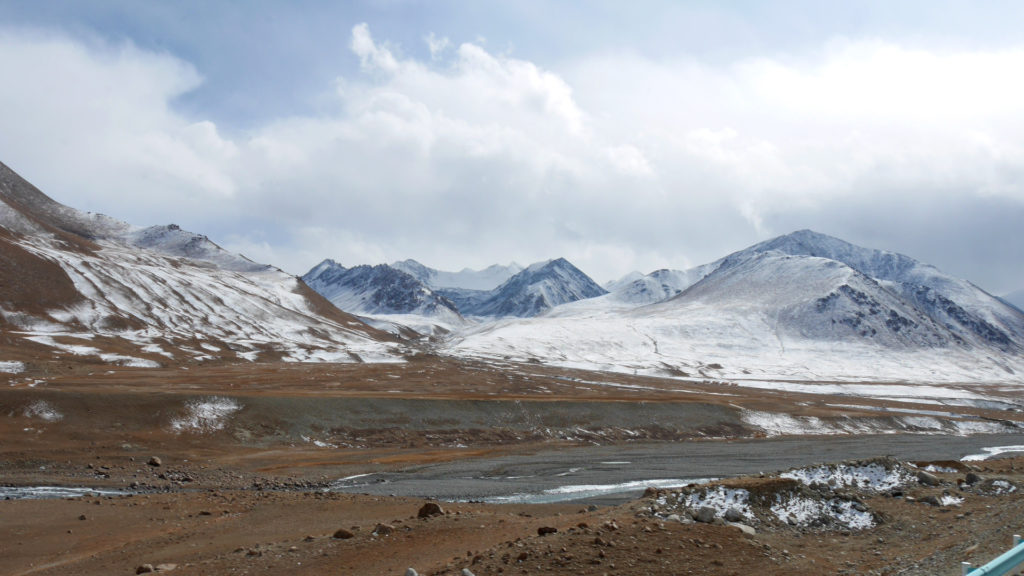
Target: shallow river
[612, 474]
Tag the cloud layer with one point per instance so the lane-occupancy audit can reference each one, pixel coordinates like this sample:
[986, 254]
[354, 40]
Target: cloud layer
[615, 161]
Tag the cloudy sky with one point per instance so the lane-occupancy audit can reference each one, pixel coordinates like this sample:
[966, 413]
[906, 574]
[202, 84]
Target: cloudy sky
[620, 135]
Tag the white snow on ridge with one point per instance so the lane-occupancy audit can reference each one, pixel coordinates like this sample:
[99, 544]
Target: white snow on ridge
[691, 338]
[179, 300]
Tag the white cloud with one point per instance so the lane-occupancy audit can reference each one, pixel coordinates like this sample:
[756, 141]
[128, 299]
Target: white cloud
[618, 162]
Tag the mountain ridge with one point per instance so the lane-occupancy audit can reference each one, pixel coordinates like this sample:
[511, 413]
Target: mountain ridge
[90, 285]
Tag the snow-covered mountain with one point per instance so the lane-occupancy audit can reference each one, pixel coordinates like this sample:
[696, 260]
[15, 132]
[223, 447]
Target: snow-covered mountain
[486, 279]
[379, 290]
[968, 312]
[658, 285]
[391, 290]
[83, 284]
[801, 306]
[533, 291]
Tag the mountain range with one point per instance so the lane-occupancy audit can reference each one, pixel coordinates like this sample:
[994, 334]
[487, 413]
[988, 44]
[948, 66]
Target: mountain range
[409, 287]
[87, 285]
[804, 306]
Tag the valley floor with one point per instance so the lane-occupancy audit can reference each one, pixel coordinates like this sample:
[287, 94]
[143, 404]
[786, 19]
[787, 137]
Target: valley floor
[251, 457]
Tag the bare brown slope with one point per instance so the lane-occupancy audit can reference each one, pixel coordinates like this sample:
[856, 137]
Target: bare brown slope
[323, 307]
[29, 283]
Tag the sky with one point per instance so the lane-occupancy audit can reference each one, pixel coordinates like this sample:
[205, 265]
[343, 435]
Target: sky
[620, 135]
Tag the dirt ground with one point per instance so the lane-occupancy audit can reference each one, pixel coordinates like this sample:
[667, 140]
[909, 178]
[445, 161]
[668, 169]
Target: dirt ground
[207, 530]
[243, 492]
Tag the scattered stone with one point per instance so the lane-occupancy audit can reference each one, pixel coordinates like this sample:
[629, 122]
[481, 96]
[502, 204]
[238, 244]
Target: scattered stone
[927, 478]
[144, 569]
[974, 478]
[705, 514]
[411, 572]
[82, 517]
[154, 461]
[341, 534]
[545, 530]
[166, 567]
[383, 530]
[932, 499]
[746, 529]
[430, 509]
[733, 514]
[466, 572]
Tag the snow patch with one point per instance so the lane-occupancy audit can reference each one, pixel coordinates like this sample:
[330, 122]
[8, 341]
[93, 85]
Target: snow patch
[206, 415]
[991, 452]
[44, 411]
[581, 491]
[11, 367]
[871, 476]
[802, 511]
[950, 500]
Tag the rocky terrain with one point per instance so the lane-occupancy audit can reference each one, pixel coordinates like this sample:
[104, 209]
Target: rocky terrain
[879, 516]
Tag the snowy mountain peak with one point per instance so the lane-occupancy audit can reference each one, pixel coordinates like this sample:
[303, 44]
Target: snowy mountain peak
[537, 289]
[380, 289]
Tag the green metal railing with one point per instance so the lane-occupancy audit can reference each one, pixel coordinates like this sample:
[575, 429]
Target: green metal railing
[1004, 564]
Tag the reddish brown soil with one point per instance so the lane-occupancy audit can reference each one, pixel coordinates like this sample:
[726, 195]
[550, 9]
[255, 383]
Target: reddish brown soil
[250, 504]
[215, 531]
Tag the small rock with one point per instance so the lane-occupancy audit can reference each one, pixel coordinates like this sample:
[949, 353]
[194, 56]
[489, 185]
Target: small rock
[705, 514]
[144, 569]
[545, 530]
[411, 572]
[165, 567]
[748, 530]
[340, 534]
[932, 499]
[672, 518]
[383, 530]
[973, 478]
[466, 572]
[82, 517]
[155, 461]
[733, 514]
[430, 509]
[927, 478]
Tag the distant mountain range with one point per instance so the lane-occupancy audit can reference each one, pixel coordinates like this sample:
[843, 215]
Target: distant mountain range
[800, 307]
[409, 287]
[87, 285]
[804, 306]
